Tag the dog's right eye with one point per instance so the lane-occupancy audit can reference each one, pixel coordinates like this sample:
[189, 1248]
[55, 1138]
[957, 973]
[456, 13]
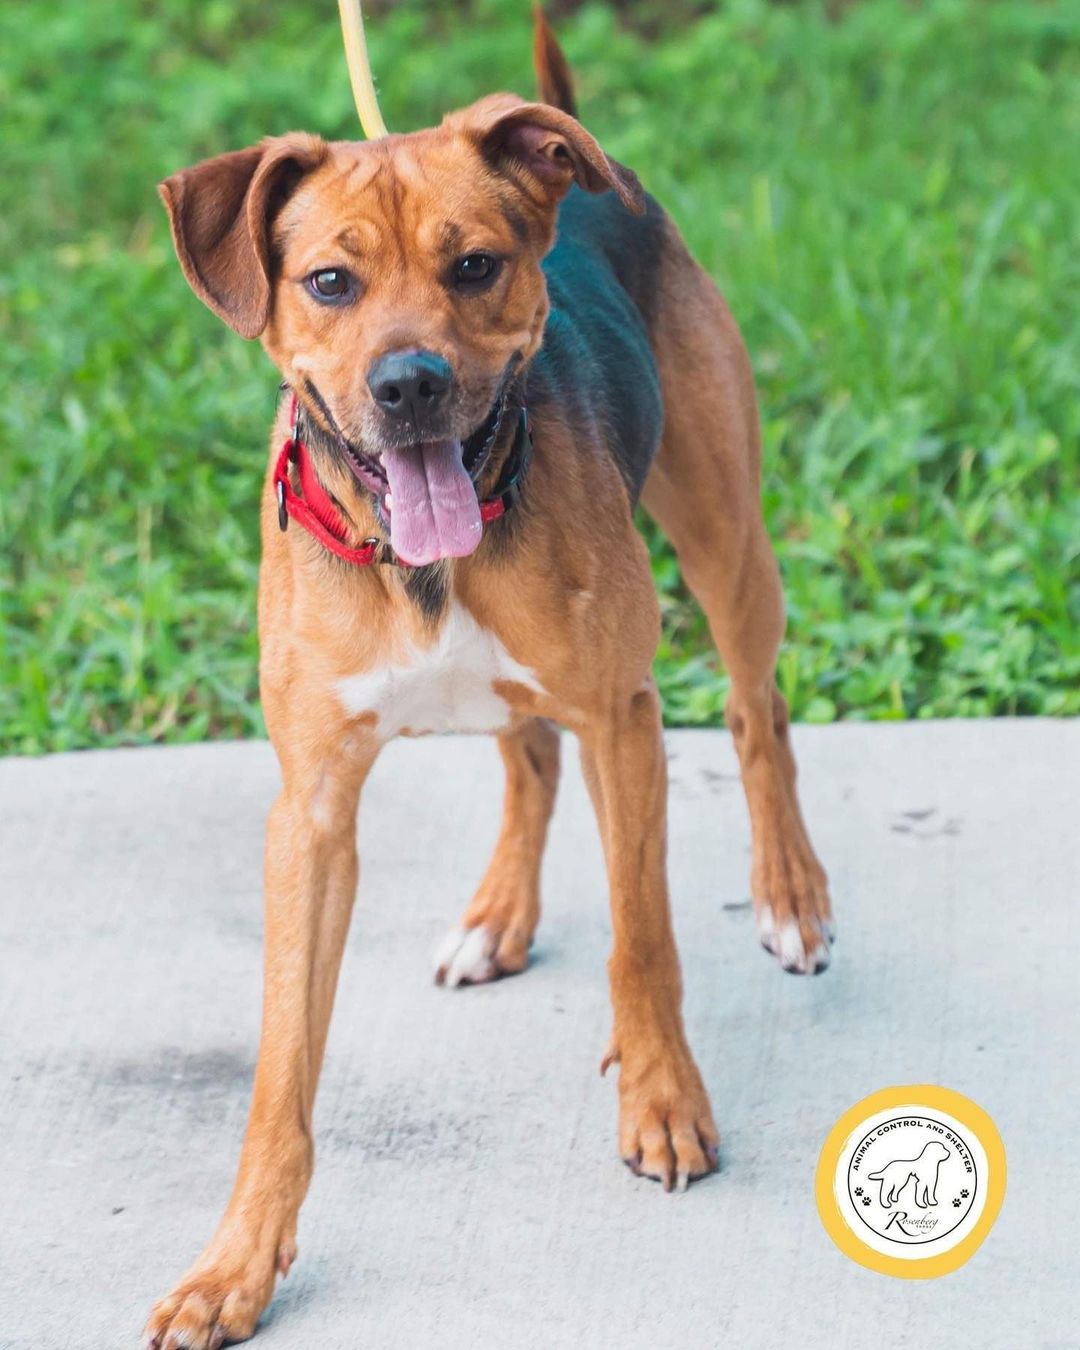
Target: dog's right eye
[330, 283]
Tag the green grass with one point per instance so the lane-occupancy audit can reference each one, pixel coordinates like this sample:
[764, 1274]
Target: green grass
[891, 203]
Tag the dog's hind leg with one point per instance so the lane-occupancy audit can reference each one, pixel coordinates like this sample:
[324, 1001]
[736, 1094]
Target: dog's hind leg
[704, 492]
[888, 1189]
[498, 926]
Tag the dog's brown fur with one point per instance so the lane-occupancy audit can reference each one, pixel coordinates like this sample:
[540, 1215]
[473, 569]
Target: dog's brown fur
[570, 598]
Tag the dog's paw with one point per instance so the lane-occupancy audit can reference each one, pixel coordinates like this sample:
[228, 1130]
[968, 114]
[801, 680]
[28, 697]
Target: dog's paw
[478, 955]
[801, 945]
[216, 1304]
[666, 1128]
[791, 902]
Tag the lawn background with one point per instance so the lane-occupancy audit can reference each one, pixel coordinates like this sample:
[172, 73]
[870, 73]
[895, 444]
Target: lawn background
[888, 193]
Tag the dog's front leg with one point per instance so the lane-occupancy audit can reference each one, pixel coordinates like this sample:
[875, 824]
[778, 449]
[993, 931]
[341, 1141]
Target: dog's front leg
[310, 882]
[666, 1129]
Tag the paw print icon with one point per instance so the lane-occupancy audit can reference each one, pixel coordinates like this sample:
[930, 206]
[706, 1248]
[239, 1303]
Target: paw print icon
[858, 1190]
[964, 1194]
[956, 1203]
[866, 1199]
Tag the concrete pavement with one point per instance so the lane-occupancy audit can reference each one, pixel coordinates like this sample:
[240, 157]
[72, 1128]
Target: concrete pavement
[468, 1192]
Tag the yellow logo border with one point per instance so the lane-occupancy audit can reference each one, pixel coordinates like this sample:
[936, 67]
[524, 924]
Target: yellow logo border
[930, 1095]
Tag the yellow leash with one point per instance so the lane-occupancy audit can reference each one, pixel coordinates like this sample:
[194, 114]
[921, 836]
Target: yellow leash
[363, 86]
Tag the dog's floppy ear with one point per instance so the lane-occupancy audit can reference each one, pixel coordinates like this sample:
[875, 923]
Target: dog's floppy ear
[221, 211]
[552, 147]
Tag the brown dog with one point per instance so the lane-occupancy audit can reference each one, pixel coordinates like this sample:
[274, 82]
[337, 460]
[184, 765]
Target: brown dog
[433, 577]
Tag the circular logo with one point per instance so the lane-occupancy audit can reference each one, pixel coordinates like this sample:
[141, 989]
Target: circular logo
[910, 1180]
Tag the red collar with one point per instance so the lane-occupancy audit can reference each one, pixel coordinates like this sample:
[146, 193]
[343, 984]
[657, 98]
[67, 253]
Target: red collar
[313, 509]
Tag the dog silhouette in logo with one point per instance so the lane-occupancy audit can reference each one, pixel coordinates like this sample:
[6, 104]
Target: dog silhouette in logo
[923, 1170]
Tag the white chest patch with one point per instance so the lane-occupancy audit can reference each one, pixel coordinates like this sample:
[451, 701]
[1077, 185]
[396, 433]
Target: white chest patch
[444, 687]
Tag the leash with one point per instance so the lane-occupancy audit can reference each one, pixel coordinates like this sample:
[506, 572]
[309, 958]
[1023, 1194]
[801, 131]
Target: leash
[360, 77]
[314, 511]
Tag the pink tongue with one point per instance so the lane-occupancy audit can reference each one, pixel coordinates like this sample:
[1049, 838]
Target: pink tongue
[434, 512]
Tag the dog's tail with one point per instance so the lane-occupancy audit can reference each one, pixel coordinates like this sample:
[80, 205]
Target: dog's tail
[876, 1176]
[553, 76]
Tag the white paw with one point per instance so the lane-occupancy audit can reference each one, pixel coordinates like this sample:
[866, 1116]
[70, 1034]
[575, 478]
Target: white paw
[466, 956]
[785, 942]
[766, 927]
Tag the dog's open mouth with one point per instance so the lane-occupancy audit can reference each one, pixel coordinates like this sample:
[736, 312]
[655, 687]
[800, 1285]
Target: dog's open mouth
[427, 491]
[432, 503]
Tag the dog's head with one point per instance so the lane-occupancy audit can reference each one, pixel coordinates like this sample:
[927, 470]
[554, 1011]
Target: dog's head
[395, 283]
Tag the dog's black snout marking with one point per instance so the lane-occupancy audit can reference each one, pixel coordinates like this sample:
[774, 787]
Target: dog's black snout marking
[410, 385]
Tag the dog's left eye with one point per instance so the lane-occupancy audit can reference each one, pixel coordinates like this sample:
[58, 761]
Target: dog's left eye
[475, 268]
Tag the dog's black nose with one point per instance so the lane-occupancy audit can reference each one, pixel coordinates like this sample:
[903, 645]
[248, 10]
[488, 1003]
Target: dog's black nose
[410, 385]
